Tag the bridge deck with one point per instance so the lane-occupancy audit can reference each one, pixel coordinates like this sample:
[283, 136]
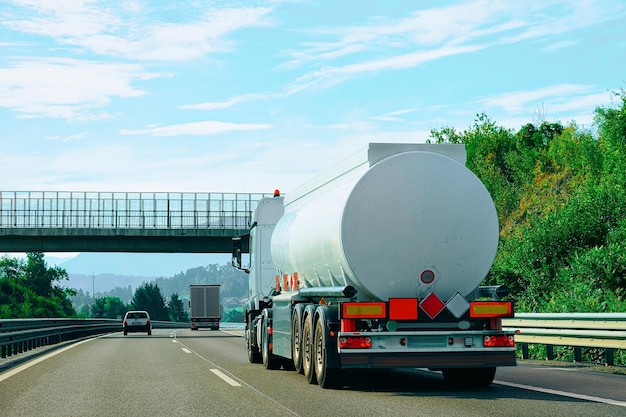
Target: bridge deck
[53, 221]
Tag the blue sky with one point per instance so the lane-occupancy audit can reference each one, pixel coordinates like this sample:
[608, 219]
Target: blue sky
[249, 96]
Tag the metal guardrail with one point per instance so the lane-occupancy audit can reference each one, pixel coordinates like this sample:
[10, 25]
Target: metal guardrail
[591, 330]
[605, 331]
[21, 335]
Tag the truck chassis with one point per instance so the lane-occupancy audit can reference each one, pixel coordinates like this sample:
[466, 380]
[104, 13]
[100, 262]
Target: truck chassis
[311, 336]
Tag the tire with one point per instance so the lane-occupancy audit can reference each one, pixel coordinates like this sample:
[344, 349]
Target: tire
[254, 356]
[323, 353]
[296, 340]
[149, 332]
[269, 360]
[307, 349]
[125, 333]
[469, 377]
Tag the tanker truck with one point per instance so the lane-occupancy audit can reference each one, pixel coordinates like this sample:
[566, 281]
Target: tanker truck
[377, 264]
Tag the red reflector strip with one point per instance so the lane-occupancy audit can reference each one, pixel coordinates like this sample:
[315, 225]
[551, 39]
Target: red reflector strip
[363, 311]
[360, 342]
[403, 309]
[499, 340]
[491, 309]
[348, 325]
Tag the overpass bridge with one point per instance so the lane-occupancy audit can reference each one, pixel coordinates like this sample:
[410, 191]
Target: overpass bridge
[71, 221]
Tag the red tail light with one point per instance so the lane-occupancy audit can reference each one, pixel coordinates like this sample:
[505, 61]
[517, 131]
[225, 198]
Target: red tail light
[359, 342]
[147, 322]
[125, 323]
[499, 340]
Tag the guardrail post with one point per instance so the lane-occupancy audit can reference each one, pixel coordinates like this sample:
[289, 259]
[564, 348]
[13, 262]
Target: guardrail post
[525, 351]
[609, 357]
[550, 352]
[578, 354]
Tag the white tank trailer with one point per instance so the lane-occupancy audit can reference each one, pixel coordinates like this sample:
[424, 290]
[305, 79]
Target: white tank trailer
[377, 264]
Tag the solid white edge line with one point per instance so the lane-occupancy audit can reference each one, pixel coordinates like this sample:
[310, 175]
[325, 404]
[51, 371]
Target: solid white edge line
[563, 393]
[8, 374]
[226, 378]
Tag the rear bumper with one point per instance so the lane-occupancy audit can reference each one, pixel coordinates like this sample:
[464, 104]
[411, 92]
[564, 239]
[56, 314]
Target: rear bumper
[198, 323]
[427, 349]
[135, 329]
[433, 360]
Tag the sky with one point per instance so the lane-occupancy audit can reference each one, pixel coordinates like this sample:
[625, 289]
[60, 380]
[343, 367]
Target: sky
[249, 96]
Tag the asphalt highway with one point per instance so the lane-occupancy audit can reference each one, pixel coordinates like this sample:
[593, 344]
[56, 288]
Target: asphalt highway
[207, 373]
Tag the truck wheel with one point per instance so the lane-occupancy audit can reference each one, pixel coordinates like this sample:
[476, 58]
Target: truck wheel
[326, 377]
[307, 349]
[269, 360]
[253, 353]
[296, 340]
[469, 377]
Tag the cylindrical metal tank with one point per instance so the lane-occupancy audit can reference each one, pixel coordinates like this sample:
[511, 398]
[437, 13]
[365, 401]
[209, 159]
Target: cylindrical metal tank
[409, 224]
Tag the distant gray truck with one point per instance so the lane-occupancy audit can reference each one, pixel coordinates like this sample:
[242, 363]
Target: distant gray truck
[204, 305]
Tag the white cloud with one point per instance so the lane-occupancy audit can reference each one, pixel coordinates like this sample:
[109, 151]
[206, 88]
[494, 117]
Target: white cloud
[563, 103]
[196, 128]
[517, 101]
[70, 89]
[559, 45]
[129, 30]
[393, 116]
[330, 76]
[244, 98]
[70, 138]
[436, 33]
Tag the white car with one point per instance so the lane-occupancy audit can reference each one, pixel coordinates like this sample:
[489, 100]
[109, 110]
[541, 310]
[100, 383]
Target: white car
[137, 321]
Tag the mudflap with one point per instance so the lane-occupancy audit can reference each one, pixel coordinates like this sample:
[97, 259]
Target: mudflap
[328, 315]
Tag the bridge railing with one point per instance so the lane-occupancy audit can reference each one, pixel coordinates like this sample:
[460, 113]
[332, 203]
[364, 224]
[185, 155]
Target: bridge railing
[592, 330]
[153, 210]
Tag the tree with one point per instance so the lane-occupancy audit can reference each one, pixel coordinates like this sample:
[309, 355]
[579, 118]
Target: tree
[176, 309]
[108, 308]
[148, 297]
[30, 289]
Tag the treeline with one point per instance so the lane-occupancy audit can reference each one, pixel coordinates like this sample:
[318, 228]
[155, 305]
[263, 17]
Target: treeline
[233, 283]
[146, 297]
[560, 193]
[31, 289]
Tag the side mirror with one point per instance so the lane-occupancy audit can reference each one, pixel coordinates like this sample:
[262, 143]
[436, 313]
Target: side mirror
[236, 259]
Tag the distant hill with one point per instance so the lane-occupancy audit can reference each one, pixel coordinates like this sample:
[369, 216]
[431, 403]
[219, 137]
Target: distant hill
[139, 264]
[105, 271]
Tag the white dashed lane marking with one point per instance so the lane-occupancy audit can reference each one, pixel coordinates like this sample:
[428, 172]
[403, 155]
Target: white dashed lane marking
[226, 378]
